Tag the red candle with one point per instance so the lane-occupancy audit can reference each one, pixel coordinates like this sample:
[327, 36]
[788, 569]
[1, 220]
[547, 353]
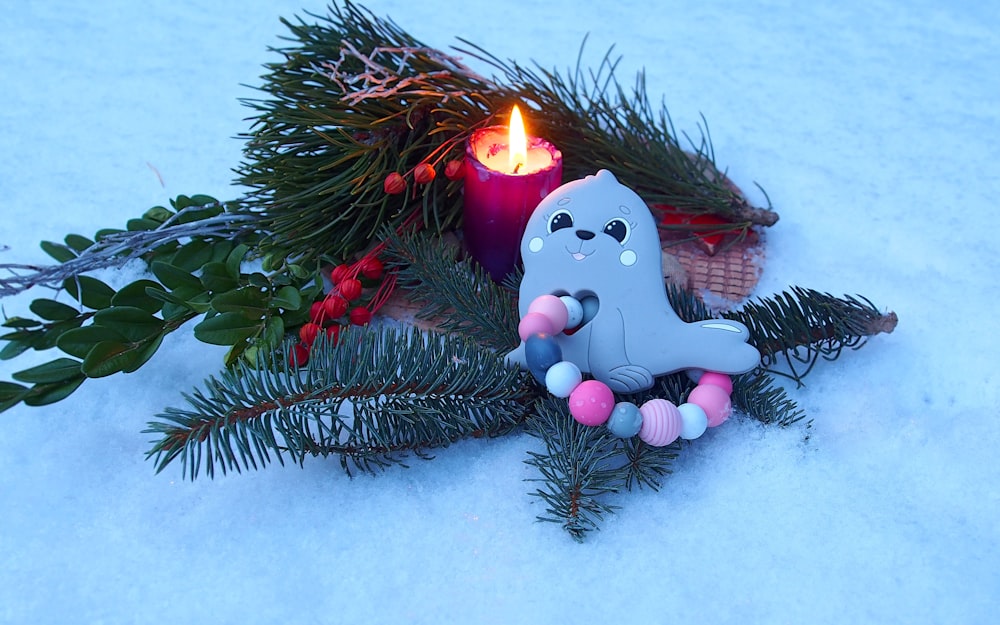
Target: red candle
[507, 174]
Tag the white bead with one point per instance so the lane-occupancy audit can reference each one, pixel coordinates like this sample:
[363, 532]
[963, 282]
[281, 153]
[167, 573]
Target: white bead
[694, 421]
[575, 310]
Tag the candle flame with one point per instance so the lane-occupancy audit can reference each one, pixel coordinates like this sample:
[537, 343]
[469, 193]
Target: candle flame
[518, 146]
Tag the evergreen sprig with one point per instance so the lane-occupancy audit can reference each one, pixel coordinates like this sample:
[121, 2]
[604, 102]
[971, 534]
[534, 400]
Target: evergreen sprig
[800, 326]
[372, 399]
[356, 98]
[457, 294]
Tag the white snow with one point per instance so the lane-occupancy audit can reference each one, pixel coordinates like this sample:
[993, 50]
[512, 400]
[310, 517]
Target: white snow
[873, 128]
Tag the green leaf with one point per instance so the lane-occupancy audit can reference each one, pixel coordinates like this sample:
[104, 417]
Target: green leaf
[274, 332]
[220, 251]
[173, 277]
[287, 297]
[49, 338]
[134, 323]
[201, 199]
[78, 342]
[216, 277]
[10, 392]
[135, 225]
[248, 301]
[158, 214]
[228, 328]
[13, 349]
[52, 310]
[57, 251]
[21, 322]
[78, 242]
[106, 358]
[235, 259]
[44, 394]
[143, 353]
[56, 371]
[192, 255]
[136, 294]
[89, 291]
[259, 280]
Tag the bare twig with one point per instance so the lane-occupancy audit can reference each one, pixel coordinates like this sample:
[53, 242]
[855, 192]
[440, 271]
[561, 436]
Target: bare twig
[114, 250]
[379, 81]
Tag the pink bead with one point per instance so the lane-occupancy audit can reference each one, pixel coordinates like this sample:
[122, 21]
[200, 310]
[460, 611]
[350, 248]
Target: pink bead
[721, 380]
[661, 422]
[533, 323]
[553, 308]
[714, 401]
[591, 402]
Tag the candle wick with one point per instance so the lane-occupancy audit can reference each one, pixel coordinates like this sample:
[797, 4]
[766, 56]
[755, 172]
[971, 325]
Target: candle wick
[517, 167]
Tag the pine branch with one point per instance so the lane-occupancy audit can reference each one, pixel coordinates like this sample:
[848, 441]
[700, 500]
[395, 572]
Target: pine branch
[456, 293]
[377, 397]
[356, 98]
[598, 123]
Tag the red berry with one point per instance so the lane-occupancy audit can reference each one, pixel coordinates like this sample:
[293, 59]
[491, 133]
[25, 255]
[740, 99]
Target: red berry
[308, 333]
[454, 169]
[334, 306]
[372, 268]
[339, 273]
[333, 334]
[350, 289]
[361, 316]
[394, 184]
[424, 173]
[298, 356]
[316, 312]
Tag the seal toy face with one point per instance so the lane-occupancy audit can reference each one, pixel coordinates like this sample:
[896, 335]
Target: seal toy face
[595, 240]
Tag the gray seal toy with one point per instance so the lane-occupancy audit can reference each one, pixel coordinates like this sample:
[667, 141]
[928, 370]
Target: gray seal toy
[595, 240]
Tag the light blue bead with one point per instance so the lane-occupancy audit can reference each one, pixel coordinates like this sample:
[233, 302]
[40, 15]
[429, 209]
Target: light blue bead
[625, 420]
[562, 378]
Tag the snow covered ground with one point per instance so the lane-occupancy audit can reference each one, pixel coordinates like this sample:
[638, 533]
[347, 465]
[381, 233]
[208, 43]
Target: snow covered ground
[872, 126]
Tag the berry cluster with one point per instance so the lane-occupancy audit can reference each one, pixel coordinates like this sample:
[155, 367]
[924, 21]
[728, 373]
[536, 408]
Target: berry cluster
[423, 173]
[657, 422]
[358, 291]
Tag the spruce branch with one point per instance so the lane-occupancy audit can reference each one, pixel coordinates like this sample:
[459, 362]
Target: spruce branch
[797, 326]
[376, 397]
[801, 326]
[576, 469]
[760, 399]
[458, 294]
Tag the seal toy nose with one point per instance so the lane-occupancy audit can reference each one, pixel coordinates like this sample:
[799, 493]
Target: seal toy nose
[586, 235]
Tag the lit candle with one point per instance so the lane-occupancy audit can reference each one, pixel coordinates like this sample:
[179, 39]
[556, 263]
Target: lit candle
[507, 174]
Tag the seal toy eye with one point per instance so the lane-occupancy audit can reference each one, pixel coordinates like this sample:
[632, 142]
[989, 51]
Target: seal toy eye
[617, 229]
[559, 220]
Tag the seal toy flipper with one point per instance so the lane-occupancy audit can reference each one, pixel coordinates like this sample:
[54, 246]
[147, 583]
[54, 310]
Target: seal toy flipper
[595, 239]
